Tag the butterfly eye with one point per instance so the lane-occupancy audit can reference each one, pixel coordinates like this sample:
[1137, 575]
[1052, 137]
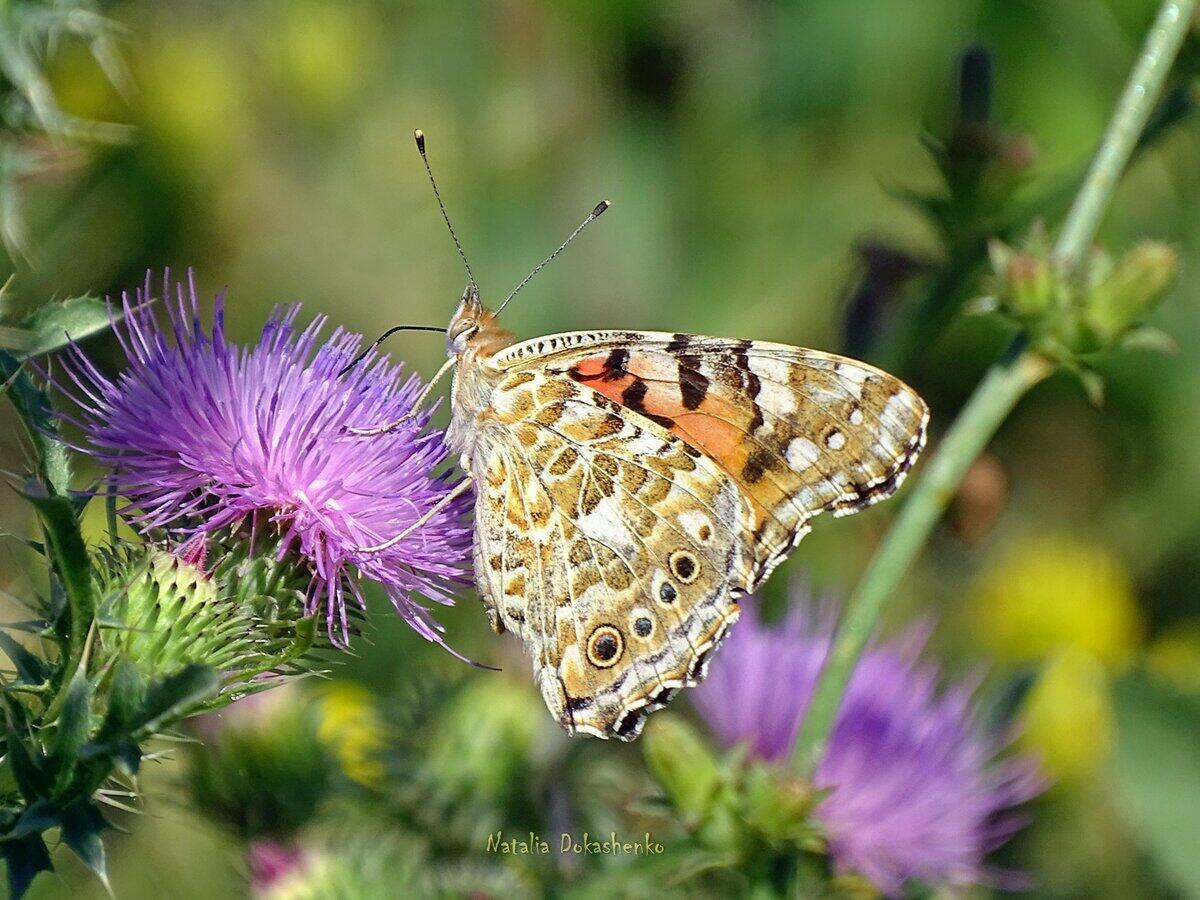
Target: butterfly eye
[462, 332]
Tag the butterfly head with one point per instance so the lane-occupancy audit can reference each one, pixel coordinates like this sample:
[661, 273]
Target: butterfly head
[473, 329]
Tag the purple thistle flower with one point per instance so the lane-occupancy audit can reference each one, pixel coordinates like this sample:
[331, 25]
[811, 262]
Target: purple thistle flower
[204, 435]
[915, 789]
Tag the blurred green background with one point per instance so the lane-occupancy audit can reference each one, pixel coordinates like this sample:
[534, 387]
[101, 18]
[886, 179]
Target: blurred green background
[757, 155]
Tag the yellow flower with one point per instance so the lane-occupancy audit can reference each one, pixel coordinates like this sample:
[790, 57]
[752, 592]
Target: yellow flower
[1174, 657]
[349, 725]
[1051, 593]
[1067, 718]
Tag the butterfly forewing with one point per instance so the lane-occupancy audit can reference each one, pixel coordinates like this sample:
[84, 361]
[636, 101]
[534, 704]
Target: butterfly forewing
[798, 431]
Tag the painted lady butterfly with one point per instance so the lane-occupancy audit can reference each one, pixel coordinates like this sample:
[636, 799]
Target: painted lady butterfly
[631, 486]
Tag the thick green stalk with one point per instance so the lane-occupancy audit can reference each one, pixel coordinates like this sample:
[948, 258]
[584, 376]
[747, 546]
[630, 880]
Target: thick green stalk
[1003, 386]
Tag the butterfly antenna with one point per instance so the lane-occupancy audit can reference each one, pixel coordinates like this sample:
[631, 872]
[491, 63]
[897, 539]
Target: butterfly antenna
[420, 137]
[592, 216]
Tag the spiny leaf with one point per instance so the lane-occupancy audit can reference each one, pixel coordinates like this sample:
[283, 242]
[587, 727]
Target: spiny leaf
[41, 425]
[38, 817]
[53, 326]
[74, 723]
[127, 696]
[126, 756]
[30, 669]
[81, 827]
[30, 626]
[28, 767]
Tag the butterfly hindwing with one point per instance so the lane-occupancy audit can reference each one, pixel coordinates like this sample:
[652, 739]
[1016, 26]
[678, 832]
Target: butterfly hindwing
[611, 546]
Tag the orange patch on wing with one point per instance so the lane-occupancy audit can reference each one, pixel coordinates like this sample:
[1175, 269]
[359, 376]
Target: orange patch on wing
[723, 442]
[717, 428]
[589, 368]
[646, 387]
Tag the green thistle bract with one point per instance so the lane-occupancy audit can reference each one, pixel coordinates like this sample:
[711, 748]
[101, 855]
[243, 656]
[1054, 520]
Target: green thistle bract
[162, 612]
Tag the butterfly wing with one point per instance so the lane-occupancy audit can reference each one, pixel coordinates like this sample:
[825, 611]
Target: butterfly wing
[611, 546]
[799, 431]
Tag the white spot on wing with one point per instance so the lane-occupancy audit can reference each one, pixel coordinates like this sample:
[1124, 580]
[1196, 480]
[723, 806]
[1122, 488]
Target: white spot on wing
[835, 440]
[776, 398]
[771, 369]
[802, 453]
[853, 376]
[692, 521]
[606, 524]
[899, 406]
[898, 422]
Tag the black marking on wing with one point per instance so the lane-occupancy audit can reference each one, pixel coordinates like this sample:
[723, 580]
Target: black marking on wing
[693, 384]
[750, 382]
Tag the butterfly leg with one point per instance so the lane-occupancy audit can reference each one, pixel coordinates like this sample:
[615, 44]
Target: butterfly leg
[416, 407]
[461, 488]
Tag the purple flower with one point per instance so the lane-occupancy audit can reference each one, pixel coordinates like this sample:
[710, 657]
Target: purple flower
[916, 791]
[273, 865]
[204, 435]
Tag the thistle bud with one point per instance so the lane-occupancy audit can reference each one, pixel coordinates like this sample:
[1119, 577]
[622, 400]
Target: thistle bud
[361, 863]
[482, 745]
[682, 765]
[161, 612]
[1073, 312]
[1132, 289]
[281, 869]
[776, 805]
[262, 769]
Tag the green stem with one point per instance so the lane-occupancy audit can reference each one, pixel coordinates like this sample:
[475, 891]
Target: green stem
[1133, 110]
[1003, 386]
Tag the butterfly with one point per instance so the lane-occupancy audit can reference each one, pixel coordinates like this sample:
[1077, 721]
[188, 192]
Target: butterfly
[631, 486]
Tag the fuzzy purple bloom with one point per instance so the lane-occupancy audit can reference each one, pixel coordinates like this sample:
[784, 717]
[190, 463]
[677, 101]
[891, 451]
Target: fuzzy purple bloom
[916, 790]
[203, 435]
